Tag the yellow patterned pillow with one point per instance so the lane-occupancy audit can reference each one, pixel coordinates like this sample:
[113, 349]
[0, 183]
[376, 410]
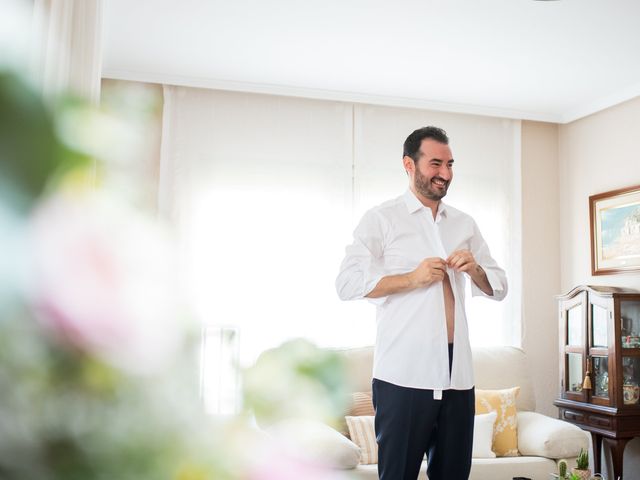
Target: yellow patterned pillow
[505, 430]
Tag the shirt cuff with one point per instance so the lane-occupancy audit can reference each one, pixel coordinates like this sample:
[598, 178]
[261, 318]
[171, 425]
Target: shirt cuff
[370, 283]
[494, 282]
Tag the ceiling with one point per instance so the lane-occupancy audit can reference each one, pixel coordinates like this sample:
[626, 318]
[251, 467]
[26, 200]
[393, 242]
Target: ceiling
[539, 60]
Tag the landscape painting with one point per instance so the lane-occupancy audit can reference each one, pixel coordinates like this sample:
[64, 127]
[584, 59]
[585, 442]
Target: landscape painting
[615, 231]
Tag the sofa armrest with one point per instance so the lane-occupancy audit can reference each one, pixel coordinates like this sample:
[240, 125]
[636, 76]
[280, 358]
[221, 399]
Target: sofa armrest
[543, 436]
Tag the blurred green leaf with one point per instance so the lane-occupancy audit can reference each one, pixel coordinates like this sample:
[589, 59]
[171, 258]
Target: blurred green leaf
[297, 379]
[30, 151]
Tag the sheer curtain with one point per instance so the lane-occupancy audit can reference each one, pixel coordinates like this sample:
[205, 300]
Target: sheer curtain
[67, 46]
[265, 191]
[260, 188]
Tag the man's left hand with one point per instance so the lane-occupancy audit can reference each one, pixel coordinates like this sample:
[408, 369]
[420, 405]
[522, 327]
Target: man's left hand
[463, 261]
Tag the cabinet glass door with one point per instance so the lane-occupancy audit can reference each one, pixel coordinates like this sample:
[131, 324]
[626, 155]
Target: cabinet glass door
[574, 372]
[599, 326]
[600, 383]
[575, 322]
[630, 324]
[630, 380]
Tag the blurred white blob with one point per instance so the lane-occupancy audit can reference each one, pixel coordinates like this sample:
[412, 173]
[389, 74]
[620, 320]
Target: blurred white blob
[317, 442]
[15, 29]
[112, 137]
[104, 279]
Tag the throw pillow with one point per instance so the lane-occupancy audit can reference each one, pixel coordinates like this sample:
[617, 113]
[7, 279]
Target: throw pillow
[362, 433]
[505, 430]
[483, 435]
[361, 404]
[542, 436]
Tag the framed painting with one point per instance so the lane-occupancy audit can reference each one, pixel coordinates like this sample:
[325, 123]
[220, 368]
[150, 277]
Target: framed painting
[615, 231]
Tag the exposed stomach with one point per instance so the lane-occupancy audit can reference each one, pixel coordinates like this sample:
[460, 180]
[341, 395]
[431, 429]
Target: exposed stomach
[449, 307]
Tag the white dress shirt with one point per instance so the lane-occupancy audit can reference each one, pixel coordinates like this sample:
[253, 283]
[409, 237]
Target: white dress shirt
[411, 341]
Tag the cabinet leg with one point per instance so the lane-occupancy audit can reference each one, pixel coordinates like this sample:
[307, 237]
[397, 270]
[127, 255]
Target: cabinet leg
[597, 449]
[617, 452]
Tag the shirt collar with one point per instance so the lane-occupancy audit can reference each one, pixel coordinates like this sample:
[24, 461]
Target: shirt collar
[413, 204]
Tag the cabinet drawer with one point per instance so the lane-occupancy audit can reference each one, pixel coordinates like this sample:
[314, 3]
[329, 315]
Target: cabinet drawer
[573, 416]
[600, 421]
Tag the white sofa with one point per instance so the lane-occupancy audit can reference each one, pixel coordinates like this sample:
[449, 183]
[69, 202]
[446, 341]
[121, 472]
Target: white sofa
[542, 440]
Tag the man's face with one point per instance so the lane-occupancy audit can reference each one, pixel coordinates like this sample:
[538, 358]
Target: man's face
[434, 170]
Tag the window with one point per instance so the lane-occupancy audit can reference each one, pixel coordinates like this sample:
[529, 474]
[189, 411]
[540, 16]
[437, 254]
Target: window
[265, 192]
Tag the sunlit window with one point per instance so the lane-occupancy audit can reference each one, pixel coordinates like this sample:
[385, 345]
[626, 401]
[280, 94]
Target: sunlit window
[267, 190]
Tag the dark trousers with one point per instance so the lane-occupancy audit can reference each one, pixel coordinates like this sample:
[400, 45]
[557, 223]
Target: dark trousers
[410, 423]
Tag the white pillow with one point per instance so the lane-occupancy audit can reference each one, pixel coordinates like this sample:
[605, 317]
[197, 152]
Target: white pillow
[543, 436]
[483, 435]
[317, 441]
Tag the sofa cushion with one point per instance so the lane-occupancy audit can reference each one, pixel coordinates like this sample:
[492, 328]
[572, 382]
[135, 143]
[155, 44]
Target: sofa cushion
[359, 362]
[513, 371]
[361, 405]
[362, 433]
[496, 368]
[504, 468]
[549, 437]
[505, 431]
[483, 435]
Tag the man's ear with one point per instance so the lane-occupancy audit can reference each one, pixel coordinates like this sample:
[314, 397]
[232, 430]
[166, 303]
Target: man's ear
[409, 164]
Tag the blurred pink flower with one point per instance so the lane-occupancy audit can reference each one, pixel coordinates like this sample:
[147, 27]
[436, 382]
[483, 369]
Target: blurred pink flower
[277, 461]
[104, 280]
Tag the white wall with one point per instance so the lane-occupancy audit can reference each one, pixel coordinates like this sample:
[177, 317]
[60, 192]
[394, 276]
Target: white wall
[596, 154]
[541, 259]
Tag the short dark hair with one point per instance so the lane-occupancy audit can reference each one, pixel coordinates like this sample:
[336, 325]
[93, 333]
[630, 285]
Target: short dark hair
[412, 144]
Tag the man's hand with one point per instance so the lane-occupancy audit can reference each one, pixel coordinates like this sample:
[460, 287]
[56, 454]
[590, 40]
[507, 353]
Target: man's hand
[430, 270]
[463, 261]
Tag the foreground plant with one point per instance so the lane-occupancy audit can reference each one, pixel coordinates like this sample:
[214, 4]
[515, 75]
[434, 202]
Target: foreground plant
[98, 363]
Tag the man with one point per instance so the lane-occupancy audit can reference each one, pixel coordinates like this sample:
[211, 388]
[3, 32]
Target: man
[411, 256]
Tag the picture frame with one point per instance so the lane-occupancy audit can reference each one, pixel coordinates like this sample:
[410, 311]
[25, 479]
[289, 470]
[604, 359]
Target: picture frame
[614, 219]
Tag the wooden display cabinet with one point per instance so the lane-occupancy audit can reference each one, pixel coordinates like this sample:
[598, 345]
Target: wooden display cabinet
[600, 339]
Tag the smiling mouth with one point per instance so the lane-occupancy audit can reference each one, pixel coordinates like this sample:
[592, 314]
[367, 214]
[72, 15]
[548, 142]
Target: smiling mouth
[438, 182]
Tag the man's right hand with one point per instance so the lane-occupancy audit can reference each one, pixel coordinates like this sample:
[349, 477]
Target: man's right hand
[430, 270]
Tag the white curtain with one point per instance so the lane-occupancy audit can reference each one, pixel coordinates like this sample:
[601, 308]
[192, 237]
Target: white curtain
[265, 191]
[67, 46]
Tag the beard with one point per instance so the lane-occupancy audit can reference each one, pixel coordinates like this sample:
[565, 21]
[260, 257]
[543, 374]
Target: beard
[426, 188]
